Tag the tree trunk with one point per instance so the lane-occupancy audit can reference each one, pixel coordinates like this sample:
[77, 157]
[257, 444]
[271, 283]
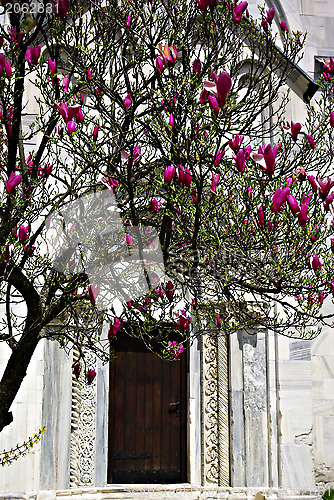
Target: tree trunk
[19, 360]
[14, 374]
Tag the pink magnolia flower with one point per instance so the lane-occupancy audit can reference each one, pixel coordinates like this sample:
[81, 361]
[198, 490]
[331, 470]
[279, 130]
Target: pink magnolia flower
[311, 141]
[302, 216]
[175, 348]
[219, 323]
[114, 327]
[71, 126]
[44, 170]
[240, 160]
[128, 21]
[247, 152]
[60, 8]
[325, 187]
[23, 233]
[29, 250]
[95, 132]
[66, 82]
[90, 375]
[14, 36]
[270, 15]
[32, 54]
[155, 205]
[169, 290]
[12, 181]
[79, 116]
[89, 74]
[321, 298]
[99, 94]
[314, 233]
[52, 65]
[93, 291]
[306, 198]
[329, 66]
[168, 55]
[171, 120]
[8, 69]
[293, 204]
[218, 157]
[197, 67]
[215, 182]
[300, 173]
[279, 198]
[127, 101]
[283, 26]
[236, 141]
[159, 64]
[316, 264]
[313, 183]
[204, 4]
[110, 183]
[169, 174]
[77, 370]
[129, 240]
[182, 321]
[269, 154]
[295, 129]
[136, 155]
[332, 245]
[67, 112]
[328, 201]
[238, 10]
[184, 176]
[260, 216]
[270, 226]
[213, 103]
[221, 87]
[204, 94]
[331, 119]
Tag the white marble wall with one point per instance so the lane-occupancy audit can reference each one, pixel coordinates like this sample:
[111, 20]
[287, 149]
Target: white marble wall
[43, 399]
[282, 410]
[56, 416]
[295, 400]
[251, 462]
[23, 474]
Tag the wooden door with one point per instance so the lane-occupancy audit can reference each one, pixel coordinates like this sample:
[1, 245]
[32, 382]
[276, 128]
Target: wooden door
[147, 416]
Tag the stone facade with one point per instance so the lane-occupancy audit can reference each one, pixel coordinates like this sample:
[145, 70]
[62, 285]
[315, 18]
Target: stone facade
[260, 407]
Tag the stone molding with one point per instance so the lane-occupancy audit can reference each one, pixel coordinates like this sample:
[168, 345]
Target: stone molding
[83, 429]
[184, 491]
[75, 415]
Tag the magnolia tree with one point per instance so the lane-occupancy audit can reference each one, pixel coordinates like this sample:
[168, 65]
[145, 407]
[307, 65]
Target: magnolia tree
[165, 191]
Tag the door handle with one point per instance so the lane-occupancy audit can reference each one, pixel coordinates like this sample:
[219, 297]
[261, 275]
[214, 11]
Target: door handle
[174, 407]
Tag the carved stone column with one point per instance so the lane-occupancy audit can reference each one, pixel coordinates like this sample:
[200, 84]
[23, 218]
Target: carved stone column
[210, 457]
[83, 435]
[215, 412]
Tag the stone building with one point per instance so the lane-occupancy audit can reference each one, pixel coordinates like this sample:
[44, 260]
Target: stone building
[255, 413]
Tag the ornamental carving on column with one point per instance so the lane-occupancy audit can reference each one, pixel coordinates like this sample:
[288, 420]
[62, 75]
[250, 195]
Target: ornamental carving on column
[210, 409]
[83, 428]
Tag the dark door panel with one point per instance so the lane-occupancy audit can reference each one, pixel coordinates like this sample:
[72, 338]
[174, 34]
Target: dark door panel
[147, 416]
